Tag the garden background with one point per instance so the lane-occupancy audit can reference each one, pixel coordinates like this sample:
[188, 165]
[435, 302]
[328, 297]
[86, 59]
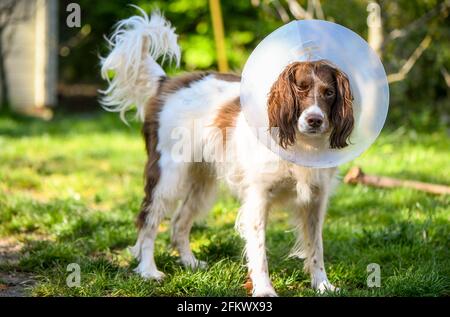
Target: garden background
[71, 184]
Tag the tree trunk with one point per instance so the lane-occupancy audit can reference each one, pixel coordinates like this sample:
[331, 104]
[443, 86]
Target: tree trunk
[375, 26]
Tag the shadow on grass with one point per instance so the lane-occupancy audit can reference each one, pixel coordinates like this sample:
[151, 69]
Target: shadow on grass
[65, 123]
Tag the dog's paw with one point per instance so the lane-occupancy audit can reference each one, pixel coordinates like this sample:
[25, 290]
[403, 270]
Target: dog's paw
[135, 251]
[201, 265]
[150, 274]
[325, 287]
[194, 264]
[264, 292]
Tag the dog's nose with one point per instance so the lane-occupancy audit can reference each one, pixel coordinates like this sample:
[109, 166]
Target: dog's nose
[314, 120]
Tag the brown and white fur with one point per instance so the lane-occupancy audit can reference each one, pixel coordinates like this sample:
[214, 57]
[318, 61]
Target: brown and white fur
[309, 101]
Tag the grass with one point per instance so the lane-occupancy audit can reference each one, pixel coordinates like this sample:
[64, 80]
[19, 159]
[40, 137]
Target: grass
[70, 190]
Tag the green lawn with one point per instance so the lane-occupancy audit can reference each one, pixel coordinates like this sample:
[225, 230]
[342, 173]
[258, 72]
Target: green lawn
[70, 190]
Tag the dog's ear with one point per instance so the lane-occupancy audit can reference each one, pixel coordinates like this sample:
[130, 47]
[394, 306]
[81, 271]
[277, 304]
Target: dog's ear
[341, 112]
[283, 106]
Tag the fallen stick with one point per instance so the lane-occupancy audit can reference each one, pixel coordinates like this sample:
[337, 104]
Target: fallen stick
[356, 176]
[248, 285]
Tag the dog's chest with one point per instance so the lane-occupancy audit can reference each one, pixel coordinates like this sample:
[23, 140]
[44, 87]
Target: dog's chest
[298, 185]
[283, 190]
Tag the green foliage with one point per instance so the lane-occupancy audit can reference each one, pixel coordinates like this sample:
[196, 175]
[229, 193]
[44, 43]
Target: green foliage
[70, 190]
[424, 90]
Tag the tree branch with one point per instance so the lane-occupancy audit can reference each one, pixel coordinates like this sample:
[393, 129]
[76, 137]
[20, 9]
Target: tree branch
[446, 75]
[398, 33]
[408, 65]
[318, 9]
[281, 11]
[297, 11]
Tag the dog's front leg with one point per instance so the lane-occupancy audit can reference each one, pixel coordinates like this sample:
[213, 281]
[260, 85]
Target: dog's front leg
[251, 225]
[312, 218]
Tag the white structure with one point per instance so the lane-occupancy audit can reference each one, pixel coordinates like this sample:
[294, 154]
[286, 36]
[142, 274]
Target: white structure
[32, 61]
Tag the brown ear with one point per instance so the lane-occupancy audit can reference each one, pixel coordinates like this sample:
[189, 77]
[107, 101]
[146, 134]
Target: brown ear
[283, 107]
[341, 113]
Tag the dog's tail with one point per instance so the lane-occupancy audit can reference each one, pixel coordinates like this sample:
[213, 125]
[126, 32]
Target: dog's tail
[130, 68]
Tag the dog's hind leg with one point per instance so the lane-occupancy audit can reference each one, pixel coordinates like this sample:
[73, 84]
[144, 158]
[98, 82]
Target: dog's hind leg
[144, 247]
[198, 200]
[162, 194]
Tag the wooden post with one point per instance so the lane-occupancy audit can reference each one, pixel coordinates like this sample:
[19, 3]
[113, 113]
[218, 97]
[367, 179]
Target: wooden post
[216, 15]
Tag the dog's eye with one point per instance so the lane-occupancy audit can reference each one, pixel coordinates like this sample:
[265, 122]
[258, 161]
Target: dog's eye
[329, 93]
[304, 86]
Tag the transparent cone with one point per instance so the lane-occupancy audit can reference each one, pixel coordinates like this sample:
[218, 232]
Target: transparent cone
[311, 40]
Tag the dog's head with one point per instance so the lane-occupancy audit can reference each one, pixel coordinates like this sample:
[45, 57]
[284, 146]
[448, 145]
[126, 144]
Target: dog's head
[312, 99]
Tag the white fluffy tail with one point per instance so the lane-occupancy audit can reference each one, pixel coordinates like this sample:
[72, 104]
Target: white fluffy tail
[131, 68]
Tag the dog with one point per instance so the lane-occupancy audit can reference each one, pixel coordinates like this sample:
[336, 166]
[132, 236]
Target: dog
[309, 103]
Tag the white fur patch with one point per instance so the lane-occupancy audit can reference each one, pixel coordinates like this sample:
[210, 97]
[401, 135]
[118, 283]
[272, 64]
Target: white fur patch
[302, 123]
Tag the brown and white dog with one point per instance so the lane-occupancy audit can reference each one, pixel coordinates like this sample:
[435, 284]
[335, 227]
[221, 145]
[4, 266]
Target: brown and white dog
[309, 101]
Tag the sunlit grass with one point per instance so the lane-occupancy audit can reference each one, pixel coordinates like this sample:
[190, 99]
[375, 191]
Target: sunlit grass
[70, 190]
